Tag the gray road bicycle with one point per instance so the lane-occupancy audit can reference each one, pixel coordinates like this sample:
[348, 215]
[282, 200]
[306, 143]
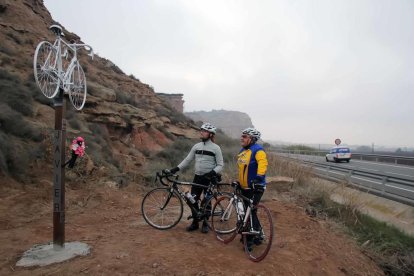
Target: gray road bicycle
[236, 219]
[52, 70]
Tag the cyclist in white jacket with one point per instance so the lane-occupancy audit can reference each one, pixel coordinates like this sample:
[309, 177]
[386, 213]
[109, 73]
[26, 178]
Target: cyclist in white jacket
[208, 162]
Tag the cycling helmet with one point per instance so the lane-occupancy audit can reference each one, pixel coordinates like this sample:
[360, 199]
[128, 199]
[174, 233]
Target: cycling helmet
[252, 132]
[79, 139]
[209, 127]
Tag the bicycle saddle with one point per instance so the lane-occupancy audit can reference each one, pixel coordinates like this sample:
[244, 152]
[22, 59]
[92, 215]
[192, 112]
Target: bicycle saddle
[57, 30]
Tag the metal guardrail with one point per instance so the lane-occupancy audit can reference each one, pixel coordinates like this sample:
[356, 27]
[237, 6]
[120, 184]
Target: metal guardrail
[394, 159]
[400, 189]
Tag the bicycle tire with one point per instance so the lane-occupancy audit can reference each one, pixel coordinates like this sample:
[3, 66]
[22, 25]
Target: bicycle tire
[45, 69]
[225, 228]
[212, 200]
[76, 87]
[259, 251]
[152, 203]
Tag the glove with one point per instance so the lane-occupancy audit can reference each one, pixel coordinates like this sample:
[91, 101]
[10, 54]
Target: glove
[257, 183]
[174, 170]
[257, 180]
[210, 174]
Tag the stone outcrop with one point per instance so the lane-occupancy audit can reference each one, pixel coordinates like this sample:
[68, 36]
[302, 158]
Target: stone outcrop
[175, 100]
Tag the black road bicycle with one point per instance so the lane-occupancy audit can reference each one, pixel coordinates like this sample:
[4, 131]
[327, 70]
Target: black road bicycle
[233, 218]
[162, 208]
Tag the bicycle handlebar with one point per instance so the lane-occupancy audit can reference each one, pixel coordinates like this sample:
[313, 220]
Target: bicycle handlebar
[165, 174]
[85, 46]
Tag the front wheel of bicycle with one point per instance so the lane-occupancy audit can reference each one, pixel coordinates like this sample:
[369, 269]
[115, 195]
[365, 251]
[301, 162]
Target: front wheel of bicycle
[257, 246]
[45, 69]
[224, 220]
[76, 86]
[162, 208]
[208, 207]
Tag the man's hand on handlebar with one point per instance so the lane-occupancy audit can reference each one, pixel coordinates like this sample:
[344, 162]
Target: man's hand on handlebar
[170, 171]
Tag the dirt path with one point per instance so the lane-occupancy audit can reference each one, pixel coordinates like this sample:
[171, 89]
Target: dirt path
[123, 244]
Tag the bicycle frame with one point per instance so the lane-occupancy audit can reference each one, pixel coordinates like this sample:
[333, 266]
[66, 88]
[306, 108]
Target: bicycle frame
[227, 213]
[63, 75]
[174, 187]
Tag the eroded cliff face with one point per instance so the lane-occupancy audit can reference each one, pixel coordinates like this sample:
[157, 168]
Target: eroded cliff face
[123, 120]
[231, 122]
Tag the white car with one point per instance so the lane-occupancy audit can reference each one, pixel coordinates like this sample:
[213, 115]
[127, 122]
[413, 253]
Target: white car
[338, 154]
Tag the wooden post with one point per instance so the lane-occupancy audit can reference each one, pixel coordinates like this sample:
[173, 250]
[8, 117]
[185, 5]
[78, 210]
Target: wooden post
[59, 173]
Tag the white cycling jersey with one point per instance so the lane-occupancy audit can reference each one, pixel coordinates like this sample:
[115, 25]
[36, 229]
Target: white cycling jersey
[207, 157]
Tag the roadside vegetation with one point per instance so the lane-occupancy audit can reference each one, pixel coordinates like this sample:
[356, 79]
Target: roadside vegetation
[390, 248]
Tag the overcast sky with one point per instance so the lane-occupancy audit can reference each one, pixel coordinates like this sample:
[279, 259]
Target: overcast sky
[305, 71]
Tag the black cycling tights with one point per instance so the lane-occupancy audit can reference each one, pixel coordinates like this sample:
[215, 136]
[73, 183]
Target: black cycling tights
[256, 196]
[196, 191]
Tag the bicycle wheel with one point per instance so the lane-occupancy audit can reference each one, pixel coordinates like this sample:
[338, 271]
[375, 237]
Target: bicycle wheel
[161, 208]
[257, 246]
[224, 220]
[207, 207]
[45, 69]
[77, 86]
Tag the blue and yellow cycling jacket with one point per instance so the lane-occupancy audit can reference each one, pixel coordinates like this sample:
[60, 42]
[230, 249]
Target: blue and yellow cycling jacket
[252, 163]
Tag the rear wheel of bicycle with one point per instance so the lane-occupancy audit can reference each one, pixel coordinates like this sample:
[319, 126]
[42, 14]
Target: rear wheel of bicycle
[224, 220]
[77, 86]
[258, 246]
[161, 208]
[45, 69]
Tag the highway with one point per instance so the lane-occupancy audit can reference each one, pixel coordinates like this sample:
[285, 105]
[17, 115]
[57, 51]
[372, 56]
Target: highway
[388, 180]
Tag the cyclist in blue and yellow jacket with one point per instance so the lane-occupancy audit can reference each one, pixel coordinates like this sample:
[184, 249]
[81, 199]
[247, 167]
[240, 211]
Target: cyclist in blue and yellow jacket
[252, 163]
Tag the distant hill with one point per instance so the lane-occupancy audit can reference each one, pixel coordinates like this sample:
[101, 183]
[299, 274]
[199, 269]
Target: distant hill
[231, 122]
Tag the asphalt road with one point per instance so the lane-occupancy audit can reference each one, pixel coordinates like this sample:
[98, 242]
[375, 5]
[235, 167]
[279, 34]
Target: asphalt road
[398, 183]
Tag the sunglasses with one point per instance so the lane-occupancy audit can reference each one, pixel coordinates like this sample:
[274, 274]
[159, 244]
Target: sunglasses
[245, 136]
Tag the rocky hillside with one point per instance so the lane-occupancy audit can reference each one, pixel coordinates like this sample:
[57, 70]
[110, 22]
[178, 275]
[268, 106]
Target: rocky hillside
[231, 122]
[124, 121]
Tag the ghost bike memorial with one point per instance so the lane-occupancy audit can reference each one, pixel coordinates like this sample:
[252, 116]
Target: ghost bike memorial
[54, 81]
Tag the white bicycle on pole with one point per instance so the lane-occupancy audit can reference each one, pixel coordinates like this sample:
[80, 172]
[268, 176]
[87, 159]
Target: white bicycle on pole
[50, 74]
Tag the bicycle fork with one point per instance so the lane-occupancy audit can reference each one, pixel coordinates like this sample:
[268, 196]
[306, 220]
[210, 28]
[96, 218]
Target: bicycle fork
[250, 217]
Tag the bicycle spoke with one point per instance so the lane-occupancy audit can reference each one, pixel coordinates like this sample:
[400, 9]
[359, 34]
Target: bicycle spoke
[225, 224]
[161, 218]
[77, 86]
[46, 79]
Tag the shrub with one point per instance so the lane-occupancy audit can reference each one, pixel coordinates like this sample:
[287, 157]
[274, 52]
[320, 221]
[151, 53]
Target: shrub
[6, 50]
[13, 123]
[14, 38]
[167, 134]
[176, 152]
[16, 157]
[35, 91]
[15, 94]
[390, 248]
[124, 98]
[5, 60]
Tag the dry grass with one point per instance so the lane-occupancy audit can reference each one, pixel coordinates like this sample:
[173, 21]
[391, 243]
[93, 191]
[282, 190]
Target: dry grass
[390, 248]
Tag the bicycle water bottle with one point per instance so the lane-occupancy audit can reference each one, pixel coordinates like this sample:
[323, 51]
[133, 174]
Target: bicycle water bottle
[241, 208]
[190, 197]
